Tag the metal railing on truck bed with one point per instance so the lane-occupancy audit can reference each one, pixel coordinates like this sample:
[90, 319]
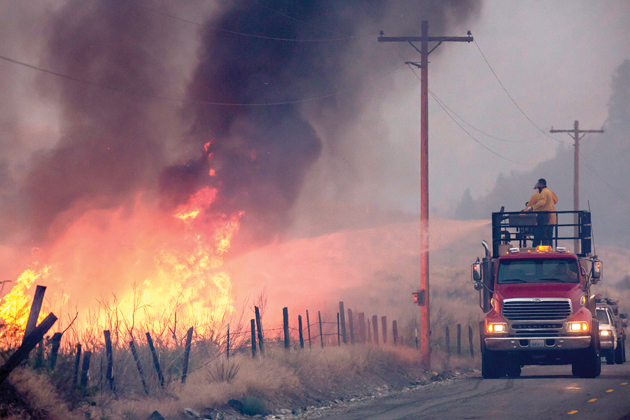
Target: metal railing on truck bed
[522, 226]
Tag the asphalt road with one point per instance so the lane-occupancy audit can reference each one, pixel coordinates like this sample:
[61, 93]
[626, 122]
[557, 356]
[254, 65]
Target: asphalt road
[542, 392]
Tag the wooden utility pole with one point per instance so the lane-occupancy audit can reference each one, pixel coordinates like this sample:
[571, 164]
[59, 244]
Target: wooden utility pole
[575, 135]
[425, 329]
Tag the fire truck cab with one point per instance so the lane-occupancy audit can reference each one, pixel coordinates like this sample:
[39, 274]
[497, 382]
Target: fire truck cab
[539, 310]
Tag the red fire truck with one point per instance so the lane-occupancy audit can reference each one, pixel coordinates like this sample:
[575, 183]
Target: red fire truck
[537, 300]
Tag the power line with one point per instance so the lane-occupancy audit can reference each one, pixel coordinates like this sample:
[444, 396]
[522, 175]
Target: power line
[511, 98]
[358, 36]
[300, 21]
[478, 130]
[183, 101]
[471, 136]
[214, 28]
[439, 102]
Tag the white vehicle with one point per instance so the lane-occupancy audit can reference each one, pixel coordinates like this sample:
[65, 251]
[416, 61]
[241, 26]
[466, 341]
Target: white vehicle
[607, 334]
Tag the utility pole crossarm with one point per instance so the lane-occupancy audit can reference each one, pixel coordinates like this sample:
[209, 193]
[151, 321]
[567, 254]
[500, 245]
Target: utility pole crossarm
[429, 39]
[573, 131]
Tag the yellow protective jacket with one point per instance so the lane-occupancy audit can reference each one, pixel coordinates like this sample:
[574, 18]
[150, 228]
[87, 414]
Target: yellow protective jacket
[545, 201]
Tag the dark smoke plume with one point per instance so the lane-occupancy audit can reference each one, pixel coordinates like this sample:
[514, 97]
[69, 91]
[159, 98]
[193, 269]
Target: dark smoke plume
[261, 154]
[113, 145]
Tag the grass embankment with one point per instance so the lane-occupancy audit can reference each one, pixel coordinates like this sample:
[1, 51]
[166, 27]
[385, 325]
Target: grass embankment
[262, 385]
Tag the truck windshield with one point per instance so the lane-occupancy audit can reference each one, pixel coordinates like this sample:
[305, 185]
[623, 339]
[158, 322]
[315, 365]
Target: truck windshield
[538, 271]
[602, 316]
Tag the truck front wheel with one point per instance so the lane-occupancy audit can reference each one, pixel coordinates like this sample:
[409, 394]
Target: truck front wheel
[588, 364]
[491, 367]
[512, 367]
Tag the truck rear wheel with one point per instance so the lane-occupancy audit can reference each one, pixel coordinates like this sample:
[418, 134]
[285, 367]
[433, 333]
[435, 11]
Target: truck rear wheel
[619, 352]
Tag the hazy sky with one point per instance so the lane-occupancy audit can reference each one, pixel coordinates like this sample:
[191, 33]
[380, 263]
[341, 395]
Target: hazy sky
[555, 58]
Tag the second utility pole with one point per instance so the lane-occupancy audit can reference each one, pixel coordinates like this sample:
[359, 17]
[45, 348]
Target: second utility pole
[576, 175]
[423, 294]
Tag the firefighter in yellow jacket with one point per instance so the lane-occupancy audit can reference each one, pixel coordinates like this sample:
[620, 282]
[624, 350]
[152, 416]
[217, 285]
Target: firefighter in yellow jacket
[543, 201]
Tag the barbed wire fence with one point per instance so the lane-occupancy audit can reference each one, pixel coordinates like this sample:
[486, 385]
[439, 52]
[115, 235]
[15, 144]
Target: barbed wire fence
[160, 363]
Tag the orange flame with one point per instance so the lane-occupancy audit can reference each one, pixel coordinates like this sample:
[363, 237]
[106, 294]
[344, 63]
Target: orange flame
[150, 265]
[15, 310]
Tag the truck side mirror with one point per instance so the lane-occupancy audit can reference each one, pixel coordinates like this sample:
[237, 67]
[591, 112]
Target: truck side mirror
[597, 271]
[476, 271]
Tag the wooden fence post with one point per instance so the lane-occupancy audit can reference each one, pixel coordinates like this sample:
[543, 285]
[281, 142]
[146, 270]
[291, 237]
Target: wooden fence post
[100, 379]
[447, 338]
[342, 321]
[375, 327]
[459, 340]
[77, 361]
[285, 328]
[38, 299]
[56, 342]
[321, 333]
[31, 341]
[351, 326]
[300, 330]
[470, 341]
[361, 323]
[308, 327]
[395, 332]
[39, 358]
[156, 361]
[261, 342]
[369, 331]
[416, 338]
[132, 346]
[109, 374]
[338, 331]
[384, 327]
[253, 325]
[227, 347]
[187, 354]
[85, 369]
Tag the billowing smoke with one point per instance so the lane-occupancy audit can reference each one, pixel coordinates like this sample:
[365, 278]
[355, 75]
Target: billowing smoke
[160, 132]
[261, 154]
[604, 172]
[116, 143]
[112, 143]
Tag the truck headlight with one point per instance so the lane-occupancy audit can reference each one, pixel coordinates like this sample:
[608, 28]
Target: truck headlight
[578, 326]
[497, 327]
[604, 333]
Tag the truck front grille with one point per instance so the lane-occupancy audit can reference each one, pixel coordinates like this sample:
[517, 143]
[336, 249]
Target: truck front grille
[540, 333]
[536, 309]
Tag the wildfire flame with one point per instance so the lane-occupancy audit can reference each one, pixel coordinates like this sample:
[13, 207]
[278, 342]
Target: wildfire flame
[14, 312]
[182, 274]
